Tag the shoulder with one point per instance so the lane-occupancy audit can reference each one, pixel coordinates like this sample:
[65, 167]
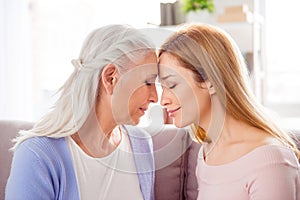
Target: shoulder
[267, 162]
[46, 155]
[265, 157]
[41, 163]
[277, 154]
[42, 143]
[273, 163]
[42, 148]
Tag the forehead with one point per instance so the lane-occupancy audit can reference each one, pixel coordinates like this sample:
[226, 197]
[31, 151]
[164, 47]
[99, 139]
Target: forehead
[169, 64]
[149, 58]
[145, 68]
[168, 59]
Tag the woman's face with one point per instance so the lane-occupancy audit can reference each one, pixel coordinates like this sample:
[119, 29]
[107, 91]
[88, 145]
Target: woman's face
[184, 98]
[135, 91]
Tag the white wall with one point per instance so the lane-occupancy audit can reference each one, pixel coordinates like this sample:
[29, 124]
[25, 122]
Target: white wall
[15, 60]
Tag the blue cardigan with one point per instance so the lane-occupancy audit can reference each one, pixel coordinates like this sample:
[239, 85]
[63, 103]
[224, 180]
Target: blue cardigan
[42, 168]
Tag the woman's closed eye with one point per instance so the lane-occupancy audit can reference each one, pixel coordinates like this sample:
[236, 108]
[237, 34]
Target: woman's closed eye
[172, 86]
[148, 83]
[168, 84]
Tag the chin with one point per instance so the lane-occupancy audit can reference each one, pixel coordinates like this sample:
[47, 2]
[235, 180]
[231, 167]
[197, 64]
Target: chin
[135, 120]
[129, 121]
[180, 123]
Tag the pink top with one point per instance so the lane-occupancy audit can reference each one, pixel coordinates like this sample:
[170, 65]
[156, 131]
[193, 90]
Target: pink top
[269, 172]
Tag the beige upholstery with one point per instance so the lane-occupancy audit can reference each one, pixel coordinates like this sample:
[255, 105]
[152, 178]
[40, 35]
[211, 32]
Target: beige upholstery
[175, 161]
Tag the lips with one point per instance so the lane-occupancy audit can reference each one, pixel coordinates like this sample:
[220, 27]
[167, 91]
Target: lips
[143, 110]
[172, 112]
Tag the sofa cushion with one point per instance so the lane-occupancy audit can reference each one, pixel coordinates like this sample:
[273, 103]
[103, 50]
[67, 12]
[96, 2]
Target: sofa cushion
[191, 183]
[170, 145]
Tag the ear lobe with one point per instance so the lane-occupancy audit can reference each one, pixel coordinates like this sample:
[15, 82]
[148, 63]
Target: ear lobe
[211, 90]
[209, 86]
[109, 78]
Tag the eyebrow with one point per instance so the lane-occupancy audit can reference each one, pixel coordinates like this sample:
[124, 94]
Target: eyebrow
[152, 76]
[166, 77]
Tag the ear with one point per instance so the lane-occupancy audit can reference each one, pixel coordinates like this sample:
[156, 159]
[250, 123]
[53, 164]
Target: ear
[109, 78]
[211, 90]
[209, 86]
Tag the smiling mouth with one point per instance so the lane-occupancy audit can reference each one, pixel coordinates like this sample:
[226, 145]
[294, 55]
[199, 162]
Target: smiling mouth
[172, 112]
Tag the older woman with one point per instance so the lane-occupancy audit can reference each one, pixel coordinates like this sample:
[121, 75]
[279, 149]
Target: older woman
[81, 149]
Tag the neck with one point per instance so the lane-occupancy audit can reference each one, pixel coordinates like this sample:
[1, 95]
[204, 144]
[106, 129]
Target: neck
[234, 131]
[215, 126]
[98, 136]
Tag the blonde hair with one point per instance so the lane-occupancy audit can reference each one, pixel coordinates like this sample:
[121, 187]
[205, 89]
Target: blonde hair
[120, 45]
[212, 55]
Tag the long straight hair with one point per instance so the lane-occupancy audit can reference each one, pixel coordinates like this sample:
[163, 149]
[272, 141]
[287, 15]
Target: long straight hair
[212, 55]
[120, 45]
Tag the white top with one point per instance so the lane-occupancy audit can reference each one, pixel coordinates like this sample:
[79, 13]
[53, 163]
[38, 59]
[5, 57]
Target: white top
[113, 177]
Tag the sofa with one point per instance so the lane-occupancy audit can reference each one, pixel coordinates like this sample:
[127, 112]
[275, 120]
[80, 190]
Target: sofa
[175, 158]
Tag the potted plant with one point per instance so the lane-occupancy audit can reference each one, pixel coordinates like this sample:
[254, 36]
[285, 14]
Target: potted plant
[196, 5]
[198, 10]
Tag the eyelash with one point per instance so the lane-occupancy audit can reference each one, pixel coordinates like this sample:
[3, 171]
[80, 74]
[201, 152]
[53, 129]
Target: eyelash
[173, 86]
[148, 83]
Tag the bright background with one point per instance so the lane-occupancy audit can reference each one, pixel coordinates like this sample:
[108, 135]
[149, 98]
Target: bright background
[39, 38]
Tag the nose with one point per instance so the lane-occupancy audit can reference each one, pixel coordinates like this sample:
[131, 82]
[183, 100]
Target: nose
[153, 98]
[164, 101]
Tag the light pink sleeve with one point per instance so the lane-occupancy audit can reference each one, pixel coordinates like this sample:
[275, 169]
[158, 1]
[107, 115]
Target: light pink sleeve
[276, 182]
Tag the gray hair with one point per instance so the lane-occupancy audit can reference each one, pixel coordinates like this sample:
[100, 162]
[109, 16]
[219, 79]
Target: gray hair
[120, 45]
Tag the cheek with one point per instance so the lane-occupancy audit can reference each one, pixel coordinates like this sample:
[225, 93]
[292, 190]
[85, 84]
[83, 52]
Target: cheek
[170, 95]
[204, 102]
[189, 107]
[137, 101]
[120, 103]
[138, 98]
